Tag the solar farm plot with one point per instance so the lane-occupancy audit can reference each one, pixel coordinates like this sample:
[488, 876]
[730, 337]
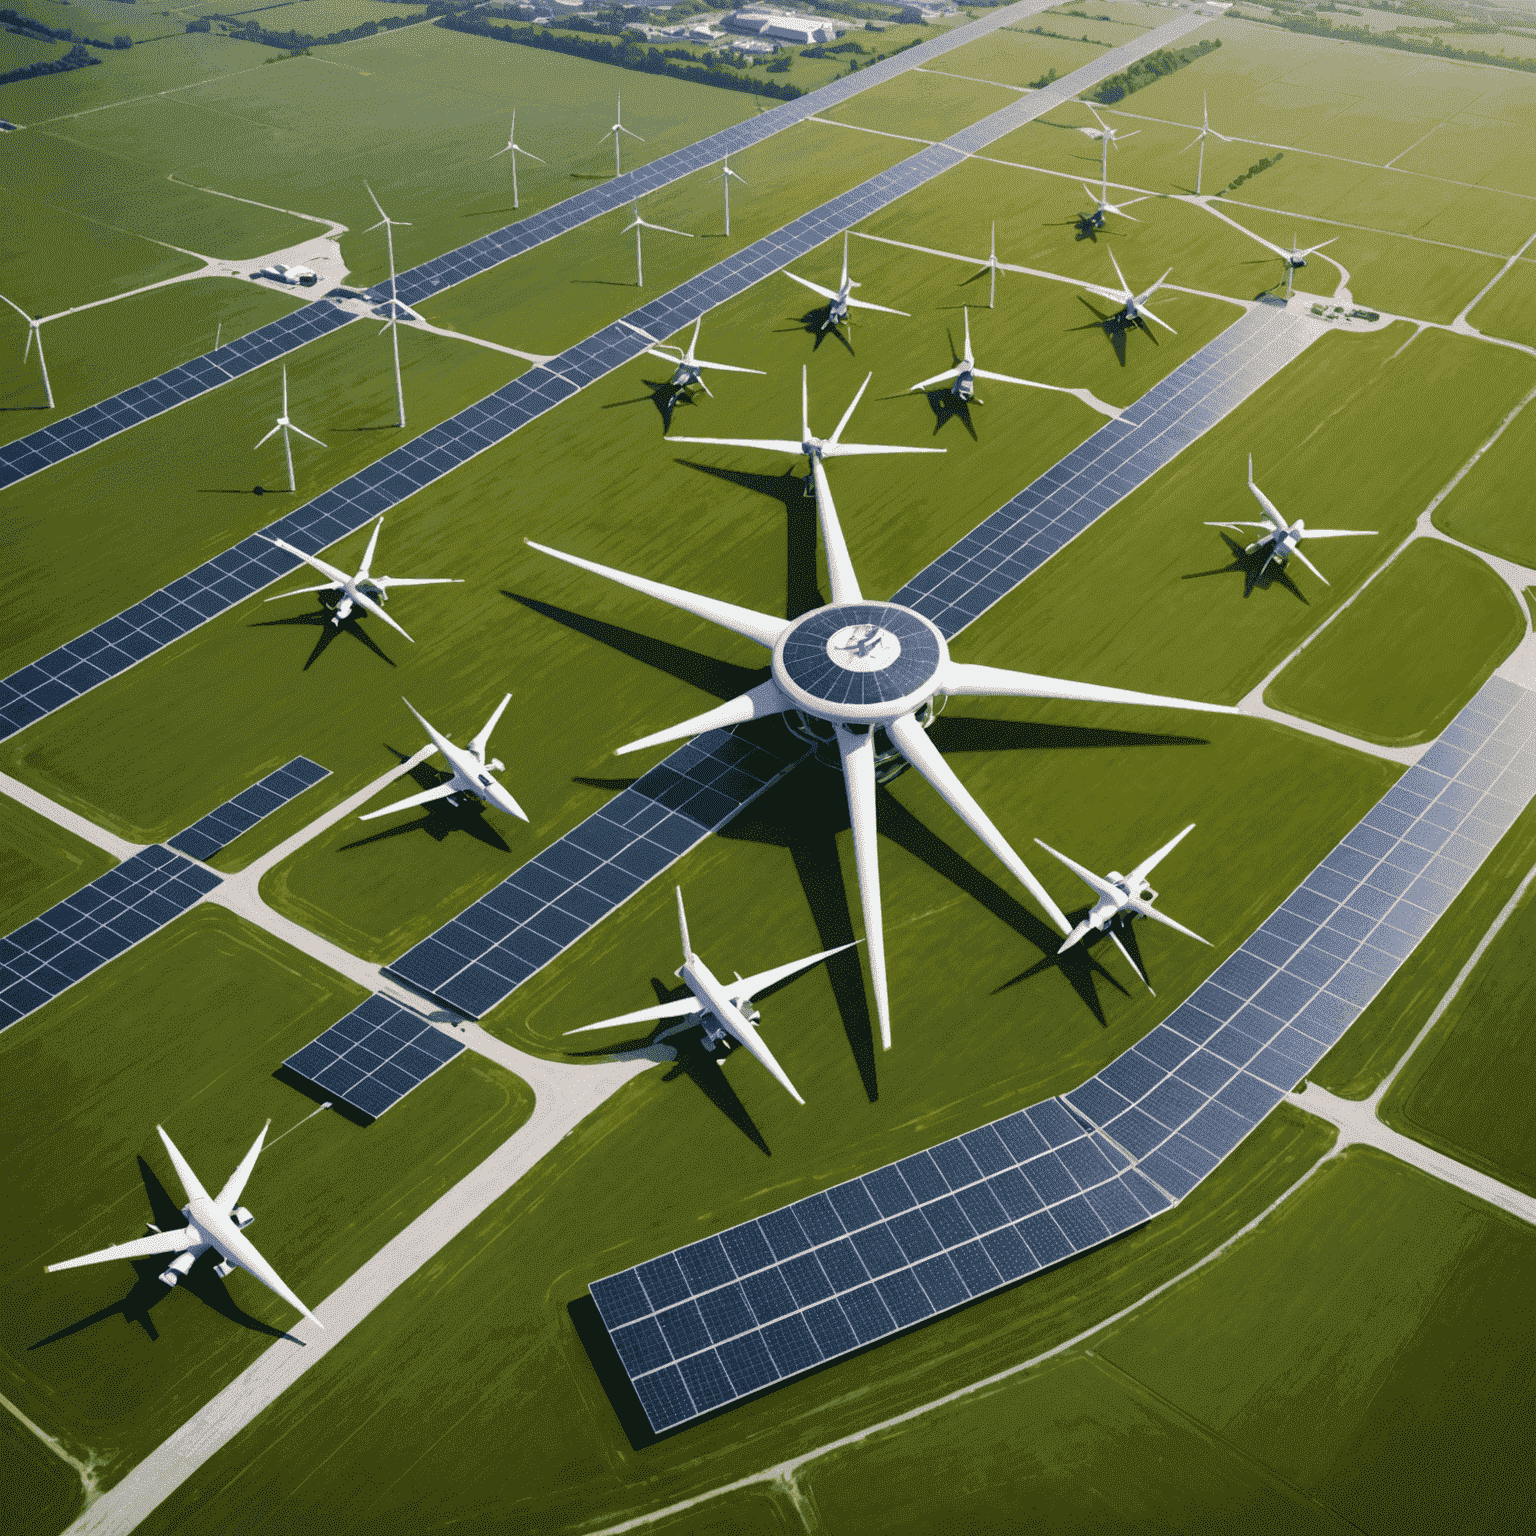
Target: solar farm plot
[220, 827]
[374, 1056]
[721, 1319]
[81, 933]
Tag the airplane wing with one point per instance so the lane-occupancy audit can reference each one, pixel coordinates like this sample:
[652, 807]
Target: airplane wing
[728, 367]
[329, 586]
[865, 304]
[1087, 876]
[805, 282]
[479, 743]
[938, 378]
[749, 986]
[237, 1248]
[1168, 922]
[189, 1180]
[768, 444]
[1338, 533]
[427, 795]
[678, 1010]
[753, 1042]
[1150, 863]
[139, 1248]
[314, 560]
[229, 1197]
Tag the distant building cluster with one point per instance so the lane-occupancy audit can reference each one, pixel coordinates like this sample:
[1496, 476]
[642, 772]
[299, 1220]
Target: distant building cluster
[769, 22]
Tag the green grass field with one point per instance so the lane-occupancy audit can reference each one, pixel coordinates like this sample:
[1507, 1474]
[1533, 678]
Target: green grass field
[1507, 309]
[42, 1491]
[1489, 508]
[187, 1030]
[1464, 1089]
[1403, 658]
[43, 864]
[1013, 56]
[346, 1445]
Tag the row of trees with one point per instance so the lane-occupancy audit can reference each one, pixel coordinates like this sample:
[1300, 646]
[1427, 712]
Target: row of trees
[1145, 71]
[39, 31]
[1404, 42]
[76, 58]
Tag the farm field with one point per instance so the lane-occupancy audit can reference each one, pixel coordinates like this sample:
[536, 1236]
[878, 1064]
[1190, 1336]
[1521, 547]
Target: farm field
[187, 1030]
[1399, 663]
[43, 1492]
[1488, 508]
[1012, 56]
[1507, 309]
[43, 864]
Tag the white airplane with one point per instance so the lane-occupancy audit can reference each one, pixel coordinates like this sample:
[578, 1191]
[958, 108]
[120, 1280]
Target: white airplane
[839, 303]
[1284, 539]
[471, 772]
[1122, 899]
[214, 1222]
[1206, 132]
[1133, 306]
[688, 368]
[1102, 205]
[365, 590]
[965, 374]
[724, 1008]
[1294, 259]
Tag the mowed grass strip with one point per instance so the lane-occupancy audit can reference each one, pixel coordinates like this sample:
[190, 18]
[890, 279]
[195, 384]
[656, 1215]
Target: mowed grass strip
[43, 864]
[1366, 1344]
[188, 1030]
[601, 1202]
[1417, 643]
[1491, 507]
[1465, 1088]
[43, 1493]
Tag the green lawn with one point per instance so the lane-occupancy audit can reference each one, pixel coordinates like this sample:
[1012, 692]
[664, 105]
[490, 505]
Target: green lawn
[1507, 310]
[1491, 506]
[1012, 56]
[42, 1491]
[346, 1445]
[43, 864]
[1402, 659]
[187, 1030]
[1465, 1089]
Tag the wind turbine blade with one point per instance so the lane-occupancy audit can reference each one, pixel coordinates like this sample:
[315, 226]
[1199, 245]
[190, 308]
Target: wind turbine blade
[329, 586]
[1086, 875]
[386, 582]
[858, 753]
[693, 342]
[756, 704]
[753, 1042]
[729, 368]
[229, 1197]
[340, 577]
[1197, 138]
[852, 407]
[237, 1248]
[966, 308]
[482, 740]
[302, 433]
[1150, 863]
[805, 282]
[680, 1009]
[749, 986]
[1114, 938]
[384, 216]
[366, 602]
[858, 450]
[17, 307]
[1271, 511]
[1147, 910]
[630, 132]
[1311, 567]
[682, 924]
[1340, 533]
[528, 154]
[1270, 534]
[938, 378]
[1075, 936]
[267, 439]
[140, 1248]
[1008, 378]
[805, 403]
[845, 584]
[439, 792]
[929, 761]
[1312, 250]
[843, 282]
[997, 682]
[1146, 314]
[665, 229]
[189, 1180]
[768, 444]
[882, 308]
[742, 621]
[366, 569]
[1125, 287]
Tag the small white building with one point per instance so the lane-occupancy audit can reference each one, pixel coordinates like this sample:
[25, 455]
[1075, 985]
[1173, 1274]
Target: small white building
[782, 24]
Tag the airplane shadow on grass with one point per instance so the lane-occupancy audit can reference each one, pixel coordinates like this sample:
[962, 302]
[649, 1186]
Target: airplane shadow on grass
[1253, 572]
[439, 819]
[321, 618]
[147, 1292]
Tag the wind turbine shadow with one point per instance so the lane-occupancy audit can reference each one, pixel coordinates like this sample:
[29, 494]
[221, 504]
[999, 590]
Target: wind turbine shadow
[947, 406]
[328, 632]
[1113, 327]
[662, 395]
[813, 323]
[724, 679]
[1253, 571]
[439, 820]
[1078, 965]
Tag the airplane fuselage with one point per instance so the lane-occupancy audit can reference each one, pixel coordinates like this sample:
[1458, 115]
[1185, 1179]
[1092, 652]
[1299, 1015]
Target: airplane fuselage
[209, 1227]
[721, 1018]
[473, 777]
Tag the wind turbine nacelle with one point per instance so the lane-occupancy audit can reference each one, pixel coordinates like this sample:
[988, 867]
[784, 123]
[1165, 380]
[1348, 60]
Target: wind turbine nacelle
[1296, 261]
[179, 1267]
[241, 1217]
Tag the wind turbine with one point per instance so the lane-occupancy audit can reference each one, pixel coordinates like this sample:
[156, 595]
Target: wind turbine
[839, 303]
[965, 374]
[366, 590]
[214, 1222]
[1102, 205]
[1122, 899]
[1133, 307]
[688, 369]
[727, 175]
[1284, 539]
[861, 668]
[638, 224]
[1206, 132]
[723, 1008]
[992, 266]
[34, 333]
[388, 224]
[514, 149]
[471, 772]
[1294, 259]
[285, 427]
[616, 130]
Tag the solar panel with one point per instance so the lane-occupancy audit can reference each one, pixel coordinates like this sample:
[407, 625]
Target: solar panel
[206, 836]
[374, 1056]
[722, 1318]
[50, 954]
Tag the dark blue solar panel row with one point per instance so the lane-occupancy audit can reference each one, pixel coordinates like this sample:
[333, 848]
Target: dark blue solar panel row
[48, 445]
[221, 827]
[84, 931]
[991, 560]
[722, 1318]
[374, 1057]
[478, 959]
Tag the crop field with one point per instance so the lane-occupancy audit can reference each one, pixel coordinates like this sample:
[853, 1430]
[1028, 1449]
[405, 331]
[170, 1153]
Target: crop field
[1507, 310]
[1409, 652]
[929, 106]
[43, 864]
[187, 1030]
[1489, 508]
[1014, 56]
[1464, 1090]
[524, 1262]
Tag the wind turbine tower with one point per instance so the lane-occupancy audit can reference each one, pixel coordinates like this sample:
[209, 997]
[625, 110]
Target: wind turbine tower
[388, 224]
[285, 426]
[1206, 132]
[514, 149]
[618, 128]
[639, 225]
[726, 176]
[34, 332]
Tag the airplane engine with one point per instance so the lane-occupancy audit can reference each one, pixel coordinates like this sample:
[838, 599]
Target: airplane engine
[241, 1217]
[179, 1268]
[223, 1269]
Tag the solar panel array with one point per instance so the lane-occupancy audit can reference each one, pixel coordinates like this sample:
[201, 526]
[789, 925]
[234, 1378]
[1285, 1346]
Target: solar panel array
[374, 1056]
[723, 1318]
[219, 828]
[48, 445]
[51, 953]
[478, 959]
[1102, 470]
[111, 648]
